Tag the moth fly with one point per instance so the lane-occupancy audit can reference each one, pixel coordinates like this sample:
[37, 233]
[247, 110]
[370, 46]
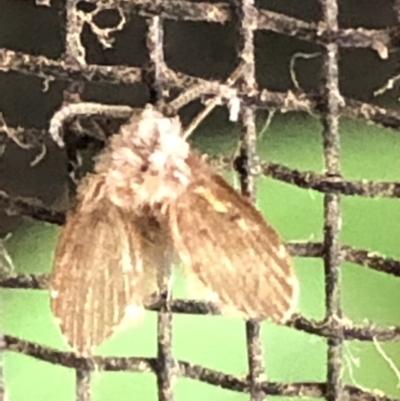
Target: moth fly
[152, 199]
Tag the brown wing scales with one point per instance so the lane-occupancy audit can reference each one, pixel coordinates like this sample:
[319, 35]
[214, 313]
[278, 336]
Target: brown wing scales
[104, 262]
[227, 244]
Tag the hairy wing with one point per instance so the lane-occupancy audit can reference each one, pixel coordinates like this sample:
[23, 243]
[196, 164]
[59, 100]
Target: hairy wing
[233, 251]
[104, 261]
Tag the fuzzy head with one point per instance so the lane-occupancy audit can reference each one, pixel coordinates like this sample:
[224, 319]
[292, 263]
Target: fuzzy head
[145, 163]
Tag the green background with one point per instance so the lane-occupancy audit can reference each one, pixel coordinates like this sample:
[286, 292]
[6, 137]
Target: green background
[217, 342]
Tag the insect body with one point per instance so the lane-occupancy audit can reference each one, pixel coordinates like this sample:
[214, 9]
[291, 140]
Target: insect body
[152, 198]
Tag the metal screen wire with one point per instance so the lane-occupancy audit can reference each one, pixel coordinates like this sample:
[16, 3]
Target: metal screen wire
[73, 69]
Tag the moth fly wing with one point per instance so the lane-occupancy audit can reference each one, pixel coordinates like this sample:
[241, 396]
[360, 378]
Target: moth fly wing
[98, 268]
[199, 291]
[225, 242]
[133, 315]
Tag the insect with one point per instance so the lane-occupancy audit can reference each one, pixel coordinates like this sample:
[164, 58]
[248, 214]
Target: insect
[152, 199]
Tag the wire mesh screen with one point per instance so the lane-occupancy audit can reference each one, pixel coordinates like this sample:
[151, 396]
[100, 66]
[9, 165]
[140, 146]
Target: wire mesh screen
[75, 72]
